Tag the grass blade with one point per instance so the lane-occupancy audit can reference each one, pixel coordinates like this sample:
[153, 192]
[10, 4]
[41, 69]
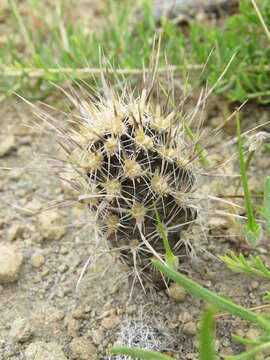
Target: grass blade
[14, 8]
[203, 154]
[207, 349]
[253, 231]
[171, 260]
[251, 353]
[212, 298]
[139, 353]
[267, 203]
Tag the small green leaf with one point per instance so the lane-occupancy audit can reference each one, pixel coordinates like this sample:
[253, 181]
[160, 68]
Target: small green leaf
[241, 265]
[253, 236]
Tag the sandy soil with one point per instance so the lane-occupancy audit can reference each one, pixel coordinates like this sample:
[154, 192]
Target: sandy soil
[56, 244]
[42, 315]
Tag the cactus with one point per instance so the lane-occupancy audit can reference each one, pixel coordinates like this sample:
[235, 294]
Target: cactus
[125, 153]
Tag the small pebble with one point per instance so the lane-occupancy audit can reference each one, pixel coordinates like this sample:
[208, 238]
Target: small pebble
[254, 284]
[10, 263]
[63, 250]
[44, 351]
[110, 322]
[37, 260]
[190, 328]
[78, 313]
[15, 174]
[45, 271]
[185, 317]
[25, 151]
[97, 335]
[33, 207]
[62, 268]
[177, 292]
[21, 330]
[7, 144]
[14, 232]
[82, 349]
[73, 326]
[52, 225]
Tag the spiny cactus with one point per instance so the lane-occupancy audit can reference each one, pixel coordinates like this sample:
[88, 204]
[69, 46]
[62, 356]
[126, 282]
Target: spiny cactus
[123, 154]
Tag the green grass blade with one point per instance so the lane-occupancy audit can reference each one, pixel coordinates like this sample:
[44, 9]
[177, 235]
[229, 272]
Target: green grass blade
[253, 231]
[244, 341]
[14, 8]
[207, 346]
[212, 298]
[267, 203]
[139, 353]
[267, 148]
[203, 154]
[171, 260]
[248, 355]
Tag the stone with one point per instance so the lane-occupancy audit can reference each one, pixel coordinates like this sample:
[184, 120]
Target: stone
[16, 174]
[37, 260]
[185, 317]
[63, 250]
[25, 151]
[62, 268]
[254, 284]
[46, 270]
[10, 263]
[97, 335]
[33, 207]
[190, 328]
[177, 292]
[7, 144]
[21, 330]
[44, 351]
[73, 326]
[52, 225]
[14, 232]
[82, 349]
[78, 313]
[110, 322]
[217, 222]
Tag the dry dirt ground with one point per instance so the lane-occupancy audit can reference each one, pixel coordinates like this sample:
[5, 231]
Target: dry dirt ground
[41, 314]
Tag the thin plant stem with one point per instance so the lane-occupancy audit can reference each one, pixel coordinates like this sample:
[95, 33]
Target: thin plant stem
[25, 34]
[212, 298]
[253, 230]
[80, 72]
[267, 32]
